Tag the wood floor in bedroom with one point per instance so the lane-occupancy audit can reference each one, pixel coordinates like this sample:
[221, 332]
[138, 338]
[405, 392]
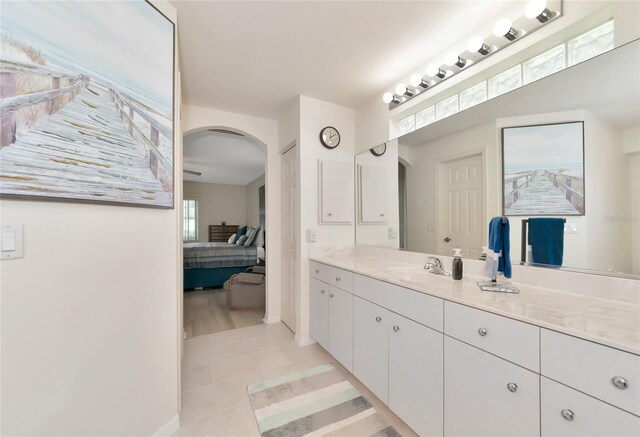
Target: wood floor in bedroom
[206, 312]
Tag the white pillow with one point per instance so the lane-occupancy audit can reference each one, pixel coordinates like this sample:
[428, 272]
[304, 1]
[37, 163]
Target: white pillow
[241, 240]
[231, 239]
[260, 238]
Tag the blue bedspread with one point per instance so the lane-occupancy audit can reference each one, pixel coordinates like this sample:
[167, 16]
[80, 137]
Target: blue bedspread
[212, 255]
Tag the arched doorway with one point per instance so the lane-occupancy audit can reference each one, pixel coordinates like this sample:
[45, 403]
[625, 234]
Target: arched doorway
[224, 199]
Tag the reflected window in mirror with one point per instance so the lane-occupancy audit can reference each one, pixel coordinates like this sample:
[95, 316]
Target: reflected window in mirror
[473, 96]
[590, 44]
[545, 64]
[447, 107]
[425, 117]
[407, 125]
[505, 81]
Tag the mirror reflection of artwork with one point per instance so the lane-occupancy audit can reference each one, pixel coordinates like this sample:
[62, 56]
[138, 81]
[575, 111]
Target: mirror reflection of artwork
[87, 102]
[543, 170]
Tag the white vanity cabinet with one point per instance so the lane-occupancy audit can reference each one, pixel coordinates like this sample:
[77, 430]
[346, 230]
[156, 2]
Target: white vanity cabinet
[331, 312]
[486, 395]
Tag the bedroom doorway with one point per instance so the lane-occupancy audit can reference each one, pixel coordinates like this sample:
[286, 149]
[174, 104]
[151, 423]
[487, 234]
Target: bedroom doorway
[224, 222]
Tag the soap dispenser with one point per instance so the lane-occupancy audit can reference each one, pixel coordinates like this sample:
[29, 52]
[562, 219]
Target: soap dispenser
[456, 273]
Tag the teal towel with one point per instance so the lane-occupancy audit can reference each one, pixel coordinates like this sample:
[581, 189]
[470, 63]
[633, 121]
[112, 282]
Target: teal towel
[498, 256]
[546, 238]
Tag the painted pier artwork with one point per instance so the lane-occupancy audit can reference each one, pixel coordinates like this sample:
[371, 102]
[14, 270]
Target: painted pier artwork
[86, 111]
[544, 170]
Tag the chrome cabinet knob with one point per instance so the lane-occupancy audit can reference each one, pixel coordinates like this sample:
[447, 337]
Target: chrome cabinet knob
[331, 295]
[619, 382]
[378, 319]
[396, 328]
[321, 291]
[482, 332]
[512, 387]
[329, 214]
[338, 279]
[317, 270]
[568, 415]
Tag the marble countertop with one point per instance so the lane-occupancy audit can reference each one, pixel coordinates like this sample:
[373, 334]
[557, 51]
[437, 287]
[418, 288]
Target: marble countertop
[609, 322]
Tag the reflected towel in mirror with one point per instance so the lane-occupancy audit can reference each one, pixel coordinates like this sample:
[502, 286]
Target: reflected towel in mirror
[498, 254]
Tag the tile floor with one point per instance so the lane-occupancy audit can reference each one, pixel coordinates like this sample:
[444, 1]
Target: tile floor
[217, 369]
[206, 312]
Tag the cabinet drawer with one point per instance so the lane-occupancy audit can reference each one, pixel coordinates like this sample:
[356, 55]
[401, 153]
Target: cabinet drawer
[414, 305]
[342, 279]
[514, 341]
[319, 271]
[566, 412]
[591, 368]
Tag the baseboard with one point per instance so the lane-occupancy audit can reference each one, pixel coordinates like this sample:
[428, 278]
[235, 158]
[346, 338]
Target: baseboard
[272, 319]
[304, 341]
[169, 428]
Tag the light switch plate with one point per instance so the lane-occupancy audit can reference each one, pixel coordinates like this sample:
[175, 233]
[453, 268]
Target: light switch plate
[12, 242]
[392, 233]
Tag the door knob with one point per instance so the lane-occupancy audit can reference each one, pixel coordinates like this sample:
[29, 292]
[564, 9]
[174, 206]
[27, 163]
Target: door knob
[567, 414]
[447, 239]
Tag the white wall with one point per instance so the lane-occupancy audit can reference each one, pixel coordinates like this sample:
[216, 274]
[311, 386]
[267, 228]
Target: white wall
[90, 315]
[315, 115]
[216, 203]
[253, 201]
[265, 131]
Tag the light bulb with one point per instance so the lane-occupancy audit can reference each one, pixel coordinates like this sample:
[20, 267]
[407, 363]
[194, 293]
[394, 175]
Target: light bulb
[387, 98]
[401, 89]
[433, 70]
[452, 59]
[476, 44]
[538, 9]
[415, 81]
[503, 28]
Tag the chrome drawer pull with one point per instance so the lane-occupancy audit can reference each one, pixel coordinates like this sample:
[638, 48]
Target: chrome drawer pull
[512, 386]
[378, 319]
[567, 414]
[482, 332]
[619, 382]
[396, 328]
[321, 291]
[331, 295]
[338, 279]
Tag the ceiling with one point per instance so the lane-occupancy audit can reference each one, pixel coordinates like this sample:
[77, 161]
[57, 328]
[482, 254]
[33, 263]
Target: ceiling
[222, 158]
[255, 57]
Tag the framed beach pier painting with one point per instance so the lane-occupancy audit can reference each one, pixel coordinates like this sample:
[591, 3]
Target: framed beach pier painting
[543, 170]
[87, 102]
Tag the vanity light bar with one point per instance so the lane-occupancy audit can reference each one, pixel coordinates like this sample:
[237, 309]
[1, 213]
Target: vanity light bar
[505, 32]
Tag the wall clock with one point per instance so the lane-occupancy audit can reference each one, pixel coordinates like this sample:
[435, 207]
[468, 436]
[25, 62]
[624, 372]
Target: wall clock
[379, 150]
[330, 137]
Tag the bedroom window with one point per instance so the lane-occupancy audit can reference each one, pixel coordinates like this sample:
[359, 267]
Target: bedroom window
[190, 220]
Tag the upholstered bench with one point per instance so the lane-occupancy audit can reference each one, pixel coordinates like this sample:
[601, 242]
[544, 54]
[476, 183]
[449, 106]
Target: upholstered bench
[246, 291]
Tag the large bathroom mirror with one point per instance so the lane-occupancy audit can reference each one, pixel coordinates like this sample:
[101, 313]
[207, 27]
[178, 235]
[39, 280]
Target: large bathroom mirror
[566, 146]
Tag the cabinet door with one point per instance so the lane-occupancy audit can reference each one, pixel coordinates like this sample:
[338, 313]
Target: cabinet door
[319, 311]
[567, 412]
[371, 347]
[336, 192]
[341, 326]
[373, 194]
[479, 397]
[415, 375]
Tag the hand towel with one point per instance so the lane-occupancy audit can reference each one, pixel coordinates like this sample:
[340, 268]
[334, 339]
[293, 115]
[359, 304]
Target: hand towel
[546, 238]
[498, 256]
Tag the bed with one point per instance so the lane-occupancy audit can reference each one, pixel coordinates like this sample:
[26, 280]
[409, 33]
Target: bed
[211, 264]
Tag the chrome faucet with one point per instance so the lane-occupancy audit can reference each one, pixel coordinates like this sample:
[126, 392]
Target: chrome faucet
[434, 265]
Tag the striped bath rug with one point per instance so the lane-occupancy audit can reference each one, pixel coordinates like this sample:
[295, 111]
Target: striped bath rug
[315, 402]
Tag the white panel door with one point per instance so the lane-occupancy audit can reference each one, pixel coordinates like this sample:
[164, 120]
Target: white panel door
[480, 399]
[567, 412]
[373, 194]
[461, 212]
[341, 326]
[371, 347]
[289, 163]
[415, 375]
[336, 192]
[319, 311]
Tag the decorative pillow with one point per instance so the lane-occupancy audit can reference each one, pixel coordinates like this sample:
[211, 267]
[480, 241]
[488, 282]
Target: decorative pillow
[240, 233]
[241, 240]
[232, 239]
[259, 241]
[251, 237]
